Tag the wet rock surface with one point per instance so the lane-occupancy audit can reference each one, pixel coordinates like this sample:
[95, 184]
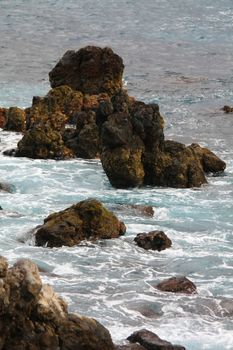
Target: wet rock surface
[91, 70]
[209, 161]
[179, 284]
[154, 240]
[33, 316]
[86, 220]
[151, 341]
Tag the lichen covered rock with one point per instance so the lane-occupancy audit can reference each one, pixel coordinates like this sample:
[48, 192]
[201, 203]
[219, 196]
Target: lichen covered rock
[88, 219]
[91, 70]
[33, 316]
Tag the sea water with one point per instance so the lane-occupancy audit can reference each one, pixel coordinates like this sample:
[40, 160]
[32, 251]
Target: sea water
[178, 54]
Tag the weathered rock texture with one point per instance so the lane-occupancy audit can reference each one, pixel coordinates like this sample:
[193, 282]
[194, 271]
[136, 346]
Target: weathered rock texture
[177, 285]
[16, 118]
[151, 341]
[3, 117]
[33, 317]
[91, 70]
[155, 240]
[88, 219]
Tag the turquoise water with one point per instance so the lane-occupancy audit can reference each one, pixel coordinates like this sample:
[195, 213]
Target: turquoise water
[178, 54]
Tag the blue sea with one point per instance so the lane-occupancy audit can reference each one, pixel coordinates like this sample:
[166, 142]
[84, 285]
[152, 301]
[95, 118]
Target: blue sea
[178, 54]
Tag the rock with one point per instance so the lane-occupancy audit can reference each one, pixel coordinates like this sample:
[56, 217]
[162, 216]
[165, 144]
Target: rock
[177, 285]
[32, 316]
[3, 117]
[134, 151]
[134, 209]
[7, 187]
[155, 240]
[227, 109]
[209, 161]
[91, 70]
[16, 118]
[43, 142]
[88, 219]
[151, 341]
[85, 140]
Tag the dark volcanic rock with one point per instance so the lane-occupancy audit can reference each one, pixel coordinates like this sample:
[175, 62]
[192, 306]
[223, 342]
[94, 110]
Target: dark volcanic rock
[155, 240]
[88, 219]
[91, 70]
[177, 285]
[33, 317]
[151, 341]
[209, 161]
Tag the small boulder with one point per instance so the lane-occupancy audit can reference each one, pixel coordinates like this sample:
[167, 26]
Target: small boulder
[155, 240]
[88, 219]
[227, 109]
[3, 117]
[151, 341]
[209, 161]
[16, 119]
[91, 70]
[179, 284]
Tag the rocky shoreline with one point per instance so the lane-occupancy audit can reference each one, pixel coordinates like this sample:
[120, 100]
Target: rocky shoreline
[88, 114]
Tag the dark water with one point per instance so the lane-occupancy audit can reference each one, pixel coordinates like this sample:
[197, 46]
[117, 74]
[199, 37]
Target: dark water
[176, 53]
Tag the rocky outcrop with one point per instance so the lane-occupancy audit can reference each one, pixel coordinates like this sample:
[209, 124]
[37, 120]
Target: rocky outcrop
[177, 285]
[86, 220]
[91, 70]
[16, 118]
[209, 161]
[154, 240]
[151, 341]
[33, 316]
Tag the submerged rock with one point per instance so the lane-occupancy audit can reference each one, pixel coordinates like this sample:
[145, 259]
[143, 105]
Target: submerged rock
[151, 341]
[33, 316]
[209, 161]
[177, 285]
[91, 70]
[155, 240]
[88, 219]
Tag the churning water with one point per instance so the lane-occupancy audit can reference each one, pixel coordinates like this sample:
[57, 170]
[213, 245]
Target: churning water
[178, 54]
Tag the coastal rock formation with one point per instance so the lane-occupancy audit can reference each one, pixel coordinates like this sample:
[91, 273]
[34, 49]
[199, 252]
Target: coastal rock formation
[151, 341]
[33, 316]
[155, 240]
[91, 70]
[134, 151]
[88, 219]
[209, 161]
[177, 285]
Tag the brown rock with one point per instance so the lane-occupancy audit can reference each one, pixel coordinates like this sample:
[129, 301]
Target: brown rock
[227, 109]
[16, 118]
[33, 317]
[88, 219]
[177, 285]
[3, 267]
[3, 117]
[91, 70]
[155, 240]
[151, 341]
[209, 161]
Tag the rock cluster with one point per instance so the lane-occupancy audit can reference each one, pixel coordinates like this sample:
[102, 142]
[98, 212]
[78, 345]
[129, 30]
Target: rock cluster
[33, 316]
[86, 220]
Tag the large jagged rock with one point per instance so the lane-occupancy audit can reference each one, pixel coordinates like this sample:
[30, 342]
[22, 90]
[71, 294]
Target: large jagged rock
[16, 119]
[179, 284]
[151, 341]
[33, 316]
[88, 219]
[91, 70]
[209, 161]
[134, 151]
